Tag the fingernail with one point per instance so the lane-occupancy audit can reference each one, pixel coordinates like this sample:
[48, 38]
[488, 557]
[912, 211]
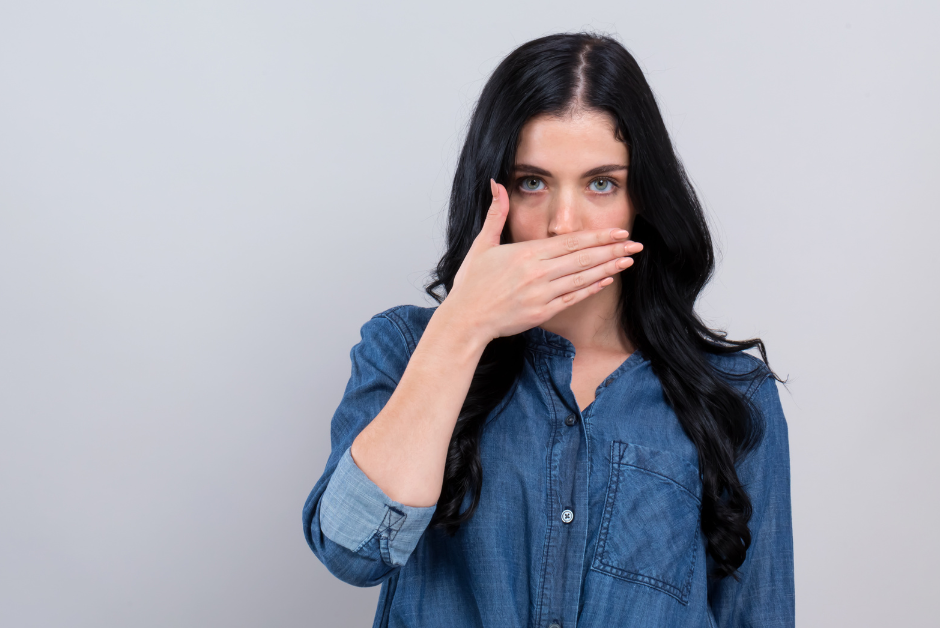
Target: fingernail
[621, 233]
[494, 189]
[633, 246]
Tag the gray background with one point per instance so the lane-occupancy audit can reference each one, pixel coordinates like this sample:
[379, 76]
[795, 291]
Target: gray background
[201, 203]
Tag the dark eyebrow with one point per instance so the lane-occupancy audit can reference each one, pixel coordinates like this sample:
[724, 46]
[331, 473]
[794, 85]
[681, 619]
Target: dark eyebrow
[532, 169]
[603, 170]
[593, 172]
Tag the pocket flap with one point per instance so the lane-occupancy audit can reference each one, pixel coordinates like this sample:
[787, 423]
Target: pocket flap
[669, 466]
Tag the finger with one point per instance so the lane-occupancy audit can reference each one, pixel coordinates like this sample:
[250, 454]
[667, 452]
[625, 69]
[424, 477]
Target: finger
[577, 281]
[584, 259]
[568, 299]
[557, 246]
[495, 215]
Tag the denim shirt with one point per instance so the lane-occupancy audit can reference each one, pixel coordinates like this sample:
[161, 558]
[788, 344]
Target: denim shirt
[586, 518]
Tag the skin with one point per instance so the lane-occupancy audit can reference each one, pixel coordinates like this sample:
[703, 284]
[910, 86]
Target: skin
[569, 244]
[554, 193]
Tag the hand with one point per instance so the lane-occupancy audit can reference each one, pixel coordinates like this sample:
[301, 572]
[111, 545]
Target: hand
[506, 289]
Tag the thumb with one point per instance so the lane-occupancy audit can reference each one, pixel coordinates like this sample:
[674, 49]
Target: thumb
[495, 215]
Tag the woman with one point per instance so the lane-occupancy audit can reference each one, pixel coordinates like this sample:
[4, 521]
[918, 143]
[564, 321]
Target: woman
[561, 441]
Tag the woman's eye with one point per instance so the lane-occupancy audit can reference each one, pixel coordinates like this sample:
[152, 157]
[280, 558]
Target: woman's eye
[531, 184]
[601, 185]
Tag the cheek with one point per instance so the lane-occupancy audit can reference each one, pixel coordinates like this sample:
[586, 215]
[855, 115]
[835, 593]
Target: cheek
[619, 213]
[525, 223]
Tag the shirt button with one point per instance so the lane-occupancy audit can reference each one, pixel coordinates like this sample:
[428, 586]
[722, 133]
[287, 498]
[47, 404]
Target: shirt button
[567, 516]
[570, 420]
[555, 624]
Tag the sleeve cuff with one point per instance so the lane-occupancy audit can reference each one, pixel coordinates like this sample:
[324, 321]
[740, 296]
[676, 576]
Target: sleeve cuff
[354, 510]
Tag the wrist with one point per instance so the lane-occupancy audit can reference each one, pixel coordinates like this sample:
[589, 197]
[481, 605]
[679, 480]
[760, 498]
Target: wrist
[461, 325]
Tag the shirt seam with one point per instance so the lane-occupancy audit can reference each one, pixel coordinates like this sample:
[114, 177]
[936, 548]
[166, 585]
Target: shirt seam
[549, 350]
[755, 385]
[546, 549]
[399, 324]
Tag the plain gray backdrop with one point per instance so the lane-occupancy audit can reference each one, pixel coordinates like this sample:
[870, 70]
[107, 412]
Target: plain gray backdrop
[201, 203]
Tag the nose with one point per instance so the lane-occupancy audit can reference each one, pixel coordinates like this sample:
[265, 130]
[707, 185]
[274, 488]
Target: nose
[565, 215]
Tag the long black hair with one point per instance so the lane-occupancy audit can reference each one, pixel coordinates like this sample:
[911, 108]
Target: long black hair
[553, 75]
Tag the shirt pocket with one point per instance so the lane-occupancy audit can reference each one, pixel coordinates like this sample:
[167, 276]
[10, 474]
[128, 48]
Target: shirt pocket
[651, 522]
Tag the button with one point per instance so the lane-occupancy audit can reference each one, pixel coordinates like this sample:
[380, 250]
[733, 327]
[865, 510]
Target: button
[570, 420]
[555, 624]
[567, 516]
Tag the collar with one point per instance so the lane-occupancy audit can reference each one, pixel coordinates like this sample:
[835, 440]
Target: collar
[538, 339]
[544, 341]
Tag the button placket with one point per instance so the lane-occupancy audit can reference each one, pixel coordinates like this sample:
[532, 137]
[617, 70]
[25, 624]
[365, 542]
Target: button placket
[566, 537]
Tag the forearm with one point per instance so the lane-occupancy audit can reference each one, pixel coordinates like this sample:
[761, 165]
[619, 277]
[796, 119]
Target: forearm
[404, 449]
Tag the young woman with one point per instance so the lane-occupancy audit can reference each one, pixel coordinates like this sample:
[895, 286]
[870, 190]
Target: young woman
[561, 441]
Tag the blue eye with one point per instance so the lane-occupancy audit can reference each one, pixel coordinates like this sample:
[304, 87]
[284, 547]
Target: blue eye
[601, 185]
[531, 184]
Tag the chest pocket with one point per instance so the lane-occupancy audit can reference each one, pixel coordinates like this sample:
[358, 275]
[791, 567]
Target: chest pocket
[650, 527]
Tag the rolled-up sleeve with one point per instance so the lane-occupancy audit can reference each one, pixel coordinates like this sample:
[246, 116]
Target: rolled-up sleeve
[355, 509]
[359, 533]
[764, 596]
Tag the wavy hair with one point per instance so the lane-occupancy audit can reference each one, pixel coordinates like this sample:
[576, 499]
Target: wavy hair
[553, 75]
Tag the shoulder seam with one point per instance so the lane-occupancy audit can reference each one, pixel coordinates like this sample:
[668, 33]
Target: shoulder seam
[392, 316]
[756, 384]
[764, 373]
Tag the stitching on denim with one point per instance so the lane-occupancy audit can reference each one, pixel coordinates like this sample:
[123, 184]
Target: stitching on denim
[385, 551]
[612, 487]
[682, 595]
[367, 541]
[601, 563]
[388, 530]
[660, 475]
[687, 587]
[547, 550]
[546, 389]
[755, 385]
[398, 322]
[654, 583]
[627, 366]
[389, 527]
[392, 522]
[621, 450]
[548, 350]
[588, 453]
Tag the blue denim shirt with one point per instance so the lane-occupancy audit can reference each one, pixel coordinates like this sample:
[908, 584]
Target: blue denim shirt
[587, 518]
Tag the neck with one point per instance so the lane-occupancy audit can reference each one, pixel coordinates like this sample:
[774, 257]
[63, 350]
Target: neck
[594, 323]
